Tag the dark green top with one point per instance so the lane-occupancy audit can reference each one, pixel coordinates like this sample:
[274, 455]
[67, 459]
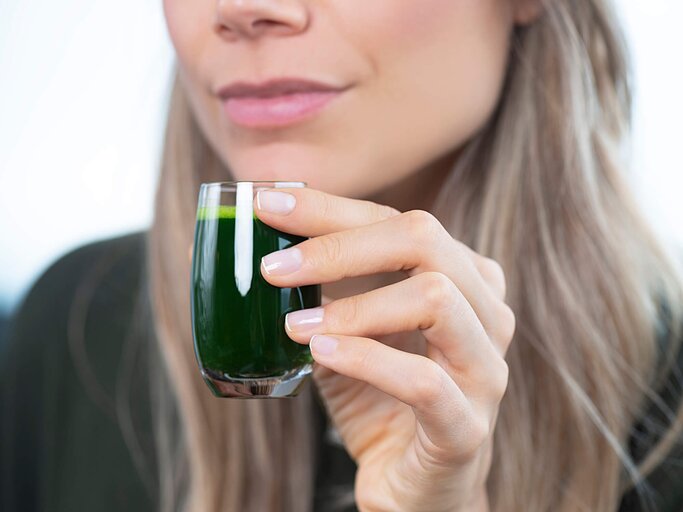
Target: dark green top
[68, 418]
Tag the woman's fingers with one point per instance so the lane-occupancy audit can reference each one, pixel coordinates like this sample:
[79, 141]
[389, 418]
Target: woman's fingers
[491, 271]
[439, 404]
[429, 302]
[413, 241]
[316, 213]
[397, 243]
[357, 237]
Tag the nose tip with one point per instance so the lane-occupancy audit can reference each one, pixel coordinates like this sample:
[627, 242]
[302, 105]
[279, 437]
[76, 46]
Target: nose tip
[256, 18]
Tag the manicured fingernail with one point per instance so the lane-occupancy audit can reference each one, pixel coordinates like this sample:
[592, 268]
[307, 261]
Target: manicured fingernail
[275, 202]
[323, 345]
[303, 319]
[282, 262]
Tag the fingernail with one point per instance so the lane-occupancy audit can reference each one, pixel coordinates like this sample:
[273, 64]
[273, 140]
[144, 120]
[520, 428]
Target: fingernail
[323, 345]
[303, 319]
[275, 202]
[282, 262]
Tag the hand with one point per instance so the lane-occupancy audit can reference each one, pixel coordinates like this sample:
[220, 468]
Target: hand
[418, 422]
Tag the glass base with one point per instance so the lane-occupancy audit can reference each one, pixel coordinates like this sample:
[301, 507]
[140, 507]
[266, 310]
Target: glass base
[286, 385]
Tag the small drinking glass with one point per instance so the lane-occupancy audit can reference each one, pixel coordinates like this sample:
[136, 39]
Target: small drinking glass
[237, 316]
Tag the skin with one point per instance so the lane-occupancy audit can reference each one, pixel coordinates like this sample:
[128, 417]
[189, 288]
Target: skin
[418, 373]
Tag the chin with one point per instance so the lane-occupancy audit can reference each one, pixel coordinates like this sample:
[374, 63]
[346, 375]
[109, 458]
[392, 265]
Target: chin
[282, 168]
[314, 168]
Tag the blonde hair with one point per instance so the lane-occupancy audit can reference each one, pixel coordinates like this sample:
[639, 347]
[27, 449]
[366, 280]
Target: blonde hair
[540, 189]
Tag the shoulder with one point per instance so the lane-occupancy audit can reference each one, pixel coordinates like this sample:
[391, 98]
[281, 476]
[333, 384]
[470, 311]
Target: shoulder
[101, 271]
[60, 378]
[98, 262]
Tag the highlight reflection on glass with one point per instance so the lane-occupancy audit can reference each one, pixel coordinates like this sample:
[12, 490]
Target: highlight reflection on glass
[237, 316]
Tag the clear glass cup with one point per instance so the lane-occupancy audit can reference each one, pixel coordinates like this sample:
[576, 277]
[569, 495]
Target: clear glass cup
[237, 316]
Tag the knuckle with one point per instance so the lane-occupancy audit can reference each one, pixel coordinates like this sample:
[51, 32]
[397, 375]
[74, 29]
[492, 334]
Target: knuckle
[506, 324]
[330, 249]
[429, 388]
[325, 206]
[421, 224]
[345, 313]
[438, 291]
[500, 379]
[365, 358]
[494, 274]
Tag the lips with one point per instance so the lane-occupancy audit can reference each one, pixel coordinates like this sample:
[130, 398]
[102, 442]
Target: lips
[275, 103]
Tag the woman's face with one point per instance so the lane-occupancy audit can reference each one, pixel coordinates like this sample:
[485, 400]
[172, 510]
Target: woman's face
[418, 78]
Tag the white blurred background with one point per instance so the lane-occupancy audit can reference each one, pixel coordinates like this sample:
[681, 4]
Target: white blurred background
[83, 91]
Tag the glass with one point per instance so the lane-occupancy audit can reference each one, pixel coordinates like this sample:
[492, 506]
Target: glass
[237, 316]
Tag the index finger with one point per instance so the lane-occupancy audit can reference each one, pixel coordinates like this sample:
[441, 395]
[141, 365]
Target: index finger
[314, 212]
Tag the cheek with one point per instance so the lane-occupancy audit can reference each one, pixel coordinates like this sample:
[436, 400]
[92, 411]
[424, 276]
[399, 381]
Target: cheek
[188, 25]
[444, 34]
[440, 66]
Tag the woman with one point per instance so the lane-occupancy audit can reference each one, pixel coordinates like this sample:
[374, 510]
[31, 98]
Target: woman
[500, 326]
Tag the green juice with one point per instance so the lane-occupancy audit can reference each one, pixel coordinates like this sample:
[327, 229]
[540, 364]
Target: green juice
[239, 328]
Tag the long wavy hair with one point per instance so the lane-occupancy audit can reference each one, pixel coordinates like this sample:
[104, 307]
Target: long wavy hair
[542, 189]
